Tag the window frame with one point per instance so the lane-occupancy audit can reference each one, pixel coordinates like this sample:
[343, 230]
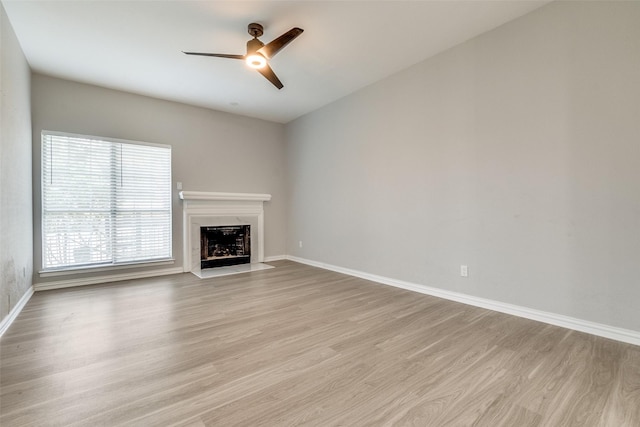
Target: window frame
[105, 266]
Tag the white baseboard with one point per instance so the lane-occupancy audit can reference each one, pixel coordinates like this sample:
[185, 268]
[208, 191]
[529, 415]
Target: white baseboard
[58, 284]
[8, 320]
[274, 258]
[599, 329]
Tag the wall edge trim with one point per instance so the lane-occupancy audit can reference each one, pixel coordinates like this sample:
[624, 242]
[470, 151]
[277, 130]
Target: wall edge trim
[599, 329]
[69, 283]
[15, 311]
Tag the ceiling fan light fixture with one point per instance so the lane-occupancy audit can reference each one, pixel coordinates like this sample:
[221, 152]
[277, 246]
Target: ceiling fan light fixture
[258, 53]
[256, 61]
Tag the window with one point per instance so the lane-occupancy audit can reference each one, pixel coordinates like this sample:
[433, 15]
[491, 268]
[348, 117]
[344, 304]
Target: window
[104, 201]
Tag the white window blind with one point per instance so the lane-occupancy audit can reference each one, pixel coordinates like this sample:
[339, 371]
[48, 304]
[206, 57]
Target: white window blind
[104, 201]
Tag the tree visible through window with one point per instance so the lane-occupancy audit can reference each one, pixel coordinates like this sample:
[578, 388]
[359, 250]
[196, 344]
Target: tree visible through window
[104, 201]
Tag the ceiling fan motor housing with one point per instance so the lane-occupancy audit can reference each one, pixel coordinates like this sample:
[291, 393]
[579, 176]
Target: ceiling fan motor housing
[253, 45]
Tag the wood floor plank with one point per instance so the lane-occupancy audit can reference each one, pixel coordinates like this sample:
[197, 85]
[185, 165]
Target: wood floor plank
[297, 345]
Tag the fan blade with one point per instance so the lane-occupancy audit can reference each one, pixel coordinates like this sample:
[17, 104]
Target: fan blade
[270, 75]
[270, 49]
[217, 55]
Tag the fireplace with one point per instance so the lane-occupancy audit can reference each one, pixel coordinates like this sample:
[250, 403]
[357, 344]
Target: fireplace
[212, 209]
[221, 246]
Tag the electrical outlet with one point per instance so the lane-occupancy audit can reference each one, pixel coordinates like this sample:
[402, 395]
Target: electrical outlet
[464, 271]
[300, 243]
[179, 185]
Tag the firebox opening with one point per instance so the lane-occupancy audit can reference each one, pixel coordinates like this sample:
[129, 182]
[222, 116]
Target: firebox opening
[225, 245]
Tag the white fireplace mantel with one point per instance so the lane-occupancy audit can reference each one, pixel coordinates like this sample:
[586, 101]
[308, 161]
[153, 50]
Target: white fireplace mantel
[201, 209]
[206, 195]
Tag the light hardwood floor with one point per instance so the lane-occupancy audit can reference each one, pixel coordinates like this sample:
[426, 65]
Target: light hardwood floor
[297, 345]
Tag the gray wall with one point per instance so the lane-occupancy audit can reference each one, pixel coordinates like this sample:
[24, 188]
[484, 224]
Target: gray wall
[16, 261]
[516, 153]
[212, 151]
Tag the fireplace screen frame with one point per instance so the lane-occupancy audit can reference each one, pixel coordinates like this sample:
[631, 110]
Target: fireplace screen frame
[225, 245]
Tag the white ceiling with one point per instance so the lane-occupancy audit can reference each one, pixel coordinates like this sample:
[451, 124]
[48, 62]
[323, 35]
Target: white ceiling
[135, 46]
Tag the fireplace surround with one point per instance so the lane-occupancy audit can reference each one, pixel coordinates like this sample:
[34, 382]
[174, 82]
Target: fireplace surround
[215, 209]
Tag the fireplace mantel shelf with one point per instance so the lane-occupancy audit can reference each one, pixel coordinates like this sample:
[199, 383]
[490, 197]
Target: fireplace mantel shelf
[207, 195]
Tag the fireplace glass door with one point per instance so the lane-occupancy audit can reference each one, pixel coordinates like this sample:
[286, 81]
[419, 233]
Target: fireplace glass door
[225, 245]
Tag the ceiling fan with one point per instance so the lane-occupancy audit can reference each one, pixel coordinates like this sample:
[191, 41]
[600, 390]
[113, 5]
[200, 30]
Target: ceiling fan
[258, 53]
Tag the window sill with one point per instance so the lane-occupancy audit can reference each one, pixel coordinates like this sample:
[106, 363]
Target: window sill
[96, 269]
